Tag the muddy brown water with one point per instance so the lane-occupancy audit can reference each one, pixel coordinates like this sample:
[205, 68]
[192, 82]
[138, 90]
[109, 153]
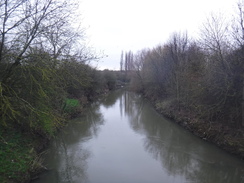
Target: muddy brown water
[122, 139]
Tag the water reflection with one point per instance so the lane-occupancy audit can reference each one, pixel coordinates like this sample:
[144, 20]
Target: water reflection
[112, 98]
[102, 146]
[179, 152]
[67, 157]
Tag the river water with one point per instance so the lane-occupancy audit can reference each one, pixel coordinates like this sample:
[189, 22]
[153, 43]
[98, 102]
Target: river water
[122, 139]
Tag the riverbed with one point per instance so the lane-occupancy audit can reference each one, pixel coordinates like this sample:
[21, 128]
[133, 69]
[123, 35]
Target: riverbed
[122, 139]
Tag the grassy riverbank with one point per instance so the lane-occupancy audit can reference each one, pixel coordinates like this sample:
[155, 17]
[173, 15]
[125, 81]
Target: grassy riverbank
[19, 155]
[21, 147]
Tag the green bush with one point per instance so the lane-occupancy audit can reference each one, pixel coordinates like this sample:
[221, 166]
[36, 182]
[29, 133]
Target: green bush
[71, 105]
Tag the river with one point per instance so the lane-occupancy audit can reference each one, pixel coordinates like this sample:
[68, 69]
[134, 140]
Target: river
[122, 139]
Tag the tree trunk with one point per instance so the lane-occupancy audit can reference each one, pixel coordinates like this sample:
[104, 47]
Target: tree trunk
[242, 103]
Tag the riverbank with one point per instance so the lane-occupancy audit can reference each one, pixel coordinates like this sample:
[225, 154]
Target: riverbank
[20, 154]
[21, 147]
[227, 137]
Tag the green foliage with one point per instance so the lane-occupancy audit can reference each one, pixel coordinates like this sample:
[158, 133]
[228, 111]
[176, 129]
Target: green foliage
[16, 156]
[47, 123]
[71, 105]
[36, 97]
[75, 77]
[42, 67]
[35, 93]
[110, 79]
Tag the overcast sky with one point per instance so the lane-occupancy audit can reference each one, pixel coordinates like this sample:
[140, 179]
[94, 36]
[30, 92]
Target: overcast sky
[116, 25]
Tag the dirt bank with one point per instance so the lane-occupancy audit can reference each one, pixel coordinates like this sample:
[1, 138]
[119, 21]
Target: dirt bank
[229, 138]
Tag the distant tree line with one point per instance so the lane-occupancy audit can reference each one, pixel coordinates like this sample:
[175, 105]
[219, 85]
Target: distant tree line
[204, 76]
[126, 65]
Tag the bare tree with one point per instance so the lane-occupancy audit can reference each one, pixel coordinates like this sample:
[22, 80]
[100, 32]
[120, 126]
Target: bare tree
[122, 61]
[177, 47]
[224, 78]
[138, 75]
[25, 24]
[238, 38]
[238, 26]
[215, 39]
